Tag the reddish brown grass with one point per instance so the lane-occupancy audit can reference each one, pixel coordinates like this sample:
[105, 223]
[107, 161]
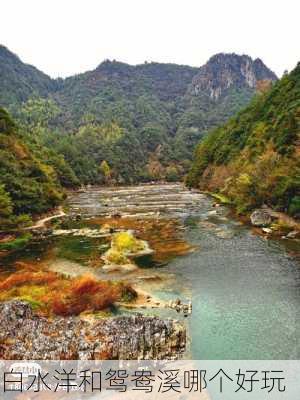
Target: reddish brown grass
[65, 296]
[25, 278]
[86, 294]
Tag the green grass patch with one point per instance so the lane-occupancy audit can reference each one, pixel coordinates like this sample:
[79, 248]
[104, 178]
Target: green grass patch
[221, 198]
[16, 244]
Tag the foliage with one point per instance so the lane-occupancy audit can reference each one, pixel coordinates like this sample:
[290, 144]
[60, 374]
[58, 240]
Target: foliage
[6, 209]
[56, 294]
[114, 256]
[125, 242]
[123, 245]
[28, 185]
[294, 207]
[142, 120]
[105, 170]
[20, 81]
[257, 152]
[17, 243]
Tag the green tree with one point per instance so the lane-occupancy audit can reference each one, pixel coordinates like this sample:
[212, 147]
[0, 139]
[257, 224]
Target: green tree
[105, 170]
[6, 208]
[38, 112]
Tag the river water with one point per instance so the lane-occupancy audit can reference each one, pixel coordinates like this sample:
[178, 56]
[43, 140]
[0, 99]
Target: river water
[244, 288]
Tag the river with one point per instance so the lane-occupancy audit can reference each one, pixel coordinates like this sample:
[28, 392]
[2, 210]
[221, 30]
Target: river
[244, 288]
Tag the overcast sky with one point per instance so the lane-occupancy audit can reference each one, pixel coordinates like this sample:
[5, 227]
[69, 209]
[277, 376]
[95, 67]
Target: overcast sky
[64, 37]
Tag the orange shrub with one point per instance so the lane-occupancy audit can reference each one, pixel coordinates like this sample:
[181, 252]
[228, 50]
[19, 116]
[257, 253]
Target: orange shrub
[22, 278]
[86, 294]
[63, 296]
[85, 285]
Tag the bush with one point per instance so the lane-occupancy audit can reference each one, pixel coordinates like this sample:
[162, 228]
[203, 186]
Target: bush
[57, 294]
[17, 243]
[126, 242]
[114, 256]
[294, 207]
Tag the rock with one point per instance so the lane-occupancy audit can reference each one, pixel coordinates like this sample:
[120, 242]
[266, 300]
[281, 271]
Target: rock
[116, 215]
[28, 336]
[213, 212]
[106, 229]
[78, 217]
[178, 306]
[224, 234]
[119, 267]
[260, 217]
[87, 232]
[150, 278]
[293, 235]
[267, 230]
[207, 224]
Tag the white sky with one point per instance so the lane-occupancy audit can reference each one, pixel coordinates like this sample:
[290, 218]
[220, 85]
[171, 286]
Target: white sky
[64, 37]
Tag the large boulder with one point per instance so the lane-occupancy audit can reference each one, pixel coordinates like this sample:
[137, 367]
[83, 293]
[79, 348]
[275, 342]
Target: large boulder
[260, 217]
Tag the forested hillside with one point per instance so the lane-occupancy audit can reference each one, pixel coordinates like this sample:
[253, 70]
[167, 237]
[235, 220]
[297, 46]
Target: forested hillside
[254, 158]
[31, 176]
[19, 81]
[122, 123]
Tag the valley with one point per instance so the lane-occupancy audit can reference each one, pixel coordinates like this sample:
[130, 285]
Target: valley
[126, 196]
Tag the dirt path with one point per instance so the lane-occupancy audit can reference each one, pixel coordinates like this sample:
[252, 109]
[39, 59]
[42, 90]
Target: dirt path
[42, 222]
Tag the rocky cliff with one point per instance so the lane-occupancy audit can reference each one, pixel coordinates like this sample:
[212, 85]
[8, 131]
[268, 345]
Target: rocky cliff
[224, 71]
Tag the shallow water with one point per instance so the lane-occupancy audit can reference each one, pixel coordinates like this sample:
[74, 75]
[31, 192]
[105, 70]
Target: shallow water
[244, 288]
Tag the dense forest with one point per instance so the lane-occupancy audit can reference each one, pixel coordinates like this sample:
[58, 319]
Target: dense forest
[31, 176]
[115, 124]
[141, 121]
[254, 158]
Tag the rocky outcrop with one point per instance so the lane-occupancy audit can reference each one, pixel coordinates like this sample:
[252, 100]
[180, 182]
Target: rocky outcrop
[223, 71]
[293, 235]
[181, 307]
[25, 335]
[260, 217]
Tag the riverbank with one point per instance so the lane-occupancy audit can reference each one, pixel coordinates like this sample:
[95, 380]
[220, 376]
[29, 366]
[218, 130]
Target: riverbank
[265, 221]
[41, 221]
[17, 238]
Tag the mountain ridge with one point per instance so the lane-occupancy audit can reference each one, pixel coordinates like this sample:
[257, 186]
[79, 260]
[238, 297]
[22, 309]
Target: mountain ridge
[236, 70]
[5, 52]
[253, 159]
[24, 79]
[144, 117]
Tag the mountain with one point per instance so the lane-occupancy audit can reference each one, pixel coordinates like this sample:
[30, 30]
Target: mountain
[224, 71]
[19, 81]
[254, 158]
[143, 121]
[221, 88]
